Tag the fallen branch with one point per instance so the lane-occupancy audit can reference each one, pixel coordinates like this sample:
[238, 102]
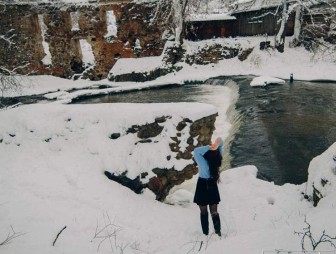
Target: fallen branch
[200, 246]
[107, 233]
[58, 235]
[195, 246]
[324, 238]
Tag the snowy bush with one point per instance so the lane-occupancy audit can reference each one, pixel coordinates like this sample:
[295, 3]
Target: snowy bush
[255, 60]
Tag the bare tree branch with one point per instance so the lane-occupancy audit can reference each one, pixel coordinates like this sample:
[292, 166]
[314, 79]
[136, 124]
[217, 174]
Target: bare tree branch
[107, 232]
[11, 236]
[8, 37]
[324, 238]
[174, 13]
[9, 80]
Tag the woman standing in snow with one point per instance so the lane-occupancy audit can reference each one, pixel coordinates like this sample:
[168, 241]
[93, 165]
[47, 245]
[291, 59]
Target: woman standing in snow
[208, 159]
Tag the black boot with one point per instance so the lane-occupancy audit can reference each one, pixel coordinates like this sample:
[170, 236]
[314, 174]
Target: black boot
[217, 224]
[205, 223]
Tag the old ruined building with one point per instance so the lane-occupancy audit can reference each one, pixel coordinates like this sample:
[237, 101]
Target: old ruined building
[71, 40]
[86, 40]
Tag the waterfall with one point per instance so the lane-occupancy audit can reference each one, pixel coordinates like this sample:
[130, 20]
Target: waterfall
[234, 118]
[231, 118]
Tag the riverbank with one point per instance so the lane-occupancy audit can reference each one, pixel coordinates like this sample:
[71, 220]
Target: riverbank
[303, 65]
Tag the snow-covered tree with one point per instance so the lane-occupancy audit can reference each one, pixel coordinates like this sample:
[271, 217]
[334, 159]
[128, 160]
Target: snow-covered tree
[324, 9]
[172, 13]
[9, 80]
[315, 23]
[319, 15]
[280, 37]
[295, 40]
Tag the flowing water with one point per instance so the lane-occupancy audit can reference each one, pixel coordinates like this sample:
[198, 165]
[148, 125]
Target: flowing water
[278, 128]
[284, 127]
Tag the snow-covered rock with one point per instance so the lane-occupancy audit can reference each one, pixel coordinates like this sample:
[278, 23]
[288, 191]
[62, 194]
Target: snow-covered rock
[131, 140]
[265, 80]
[322, 175]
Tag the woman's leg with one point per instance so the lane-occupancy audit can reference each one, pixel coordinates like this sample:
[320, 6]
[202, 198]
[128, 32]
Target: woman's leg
[204, 209]
[215, 219]
[204, 219]
[213, 209]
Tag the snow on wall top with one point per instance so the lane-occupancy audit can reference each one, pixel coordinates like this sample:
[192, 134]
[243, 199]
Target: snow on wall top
[210, 17]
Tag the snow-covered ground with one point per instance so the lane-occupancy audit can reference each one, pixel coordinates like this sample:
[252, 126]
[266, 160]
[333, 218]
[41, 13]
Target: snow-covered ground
[52, 162]
[53, 157]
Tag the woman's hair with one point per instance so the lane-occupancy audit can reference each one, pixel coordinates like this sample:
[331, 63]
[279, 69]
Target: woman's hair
[214, 159]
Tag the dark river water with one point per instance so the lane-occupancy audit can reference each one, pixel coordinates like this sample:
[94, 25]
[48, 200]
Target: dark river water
[281, 128]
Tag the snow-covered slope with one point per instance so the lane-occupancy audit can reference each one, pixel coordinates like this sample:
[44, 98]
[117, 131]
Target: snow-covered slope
[51, 176]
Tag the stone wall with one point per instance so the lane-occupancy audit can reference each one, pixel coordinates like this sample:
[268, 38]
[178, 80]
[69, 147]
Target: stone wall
[21, 24]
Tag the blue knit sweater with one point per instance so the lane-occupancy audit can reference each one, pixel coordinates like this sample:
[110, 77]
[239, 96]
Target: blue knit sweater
[203, 166]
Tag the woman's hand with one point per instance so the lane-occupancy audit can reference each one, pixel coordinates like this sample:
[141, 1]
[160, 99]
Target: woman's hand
[215, 145]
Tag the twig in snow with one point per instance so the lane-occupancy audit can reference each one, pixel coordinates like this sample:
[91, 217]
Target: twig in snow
[58, 235]
[200, 246]
[324, 238]
[108, 231]
[11, 236]
[194, 245]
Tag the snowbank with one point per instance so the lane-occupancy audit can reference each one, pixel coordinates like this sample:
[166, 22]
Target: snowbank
[52, 162]
[129, 65]
[87, 130]
[322, 174]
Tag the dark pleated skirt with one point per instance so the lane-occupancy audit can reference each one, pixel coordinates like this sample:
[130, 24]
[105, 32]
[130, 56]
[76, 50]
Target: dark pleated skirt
[206, 192]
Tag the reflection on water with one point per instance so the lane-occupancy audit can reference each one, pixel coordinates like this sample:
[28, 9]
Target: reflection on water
[283, 126]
